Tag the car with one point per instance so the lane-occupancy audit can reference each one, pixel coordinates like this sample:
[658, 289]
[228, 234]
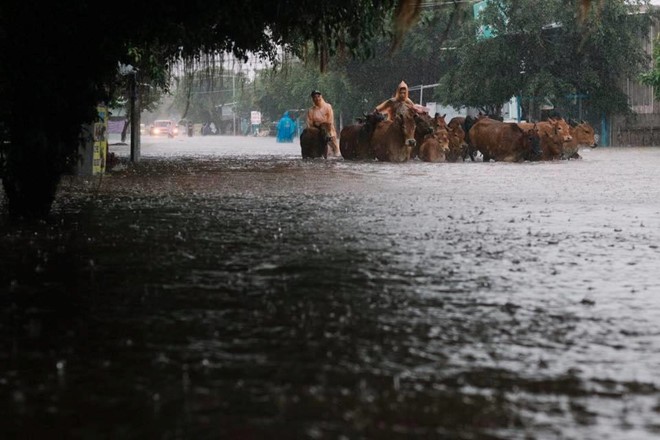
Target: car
[162, 127]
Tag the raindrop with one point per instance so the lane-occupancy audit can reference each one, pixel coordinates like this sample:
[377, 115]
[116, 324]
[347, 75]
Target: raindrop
[19, 396]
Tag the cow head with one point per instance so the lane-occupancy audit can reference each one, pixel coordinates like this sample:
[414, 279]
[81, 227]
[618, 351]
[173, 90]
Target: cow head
[405, 118]
[439, 121]
[584, 135]
[423, 125]
[442, 135]
[562, 128]
[325, 131]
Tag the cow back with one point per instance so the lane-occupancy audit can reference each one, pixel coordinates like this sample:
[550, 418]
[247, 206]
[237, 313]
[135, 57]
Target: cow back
[313, 143]
[504, 141]
[389, 144]
[354, 143]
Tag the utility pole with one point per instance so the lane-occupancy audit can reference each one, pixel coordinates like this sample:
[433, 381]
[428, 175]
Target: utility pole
[233, 98]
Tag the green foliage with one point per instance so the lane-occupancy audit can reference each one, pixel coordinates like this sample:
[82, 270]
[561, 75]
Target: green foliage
[355, 85]
[543, 50]
[652, 77]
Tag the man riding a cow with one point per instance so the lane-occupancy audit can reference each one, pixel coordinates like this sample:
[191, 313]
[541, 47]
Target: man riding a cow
[401, 97]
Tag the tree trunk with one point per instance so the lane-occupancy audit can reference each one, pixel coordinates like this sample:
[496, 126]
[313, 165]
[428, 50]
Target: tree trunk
[124, 131]
[32, 175]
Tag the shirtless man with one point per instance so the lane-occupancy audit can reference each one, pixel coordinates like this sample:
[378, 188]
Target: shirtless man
[321, 112]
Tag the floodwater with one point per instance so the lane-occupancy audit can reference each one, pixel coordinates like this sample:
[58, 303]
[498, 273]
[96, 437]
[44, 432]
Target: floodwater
[226, 289]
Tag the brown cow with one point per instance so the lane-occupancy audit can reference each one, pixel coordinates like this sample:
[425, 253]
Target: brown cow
[554, 134]
[424, 126]
[505, 141]
[393, 140]
[466, 123]
[314, 141]
[435, 146]
[583, 135]
[439, 121]
[457, 145]
[355, 140]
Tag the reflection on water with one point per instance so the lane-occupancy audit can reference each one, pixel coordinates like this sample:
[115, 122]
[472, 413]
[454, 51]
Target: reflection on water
[270, 297]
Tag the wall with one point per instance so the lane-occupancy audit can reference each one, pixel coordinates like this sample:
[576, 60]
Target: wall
[644, 128]
[642, 131]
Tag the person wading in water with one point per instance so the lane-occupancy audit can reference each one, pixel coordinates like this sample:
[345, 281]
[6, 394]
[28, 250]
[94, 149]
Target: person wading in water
[321, 113]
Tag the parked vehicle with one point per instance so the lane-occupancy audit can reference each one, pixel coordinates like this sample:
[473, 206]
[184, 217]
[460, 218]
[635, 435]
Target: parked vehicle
[162, 127]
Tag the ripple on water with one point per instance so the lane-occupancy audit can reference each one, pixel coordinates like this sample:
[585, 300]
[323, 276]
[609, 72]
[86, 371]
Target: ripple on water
[262, 295]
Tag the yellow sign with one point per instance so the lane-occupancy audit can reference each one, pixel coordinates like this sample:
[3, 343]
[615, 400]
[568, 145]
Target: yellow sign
[100, 140]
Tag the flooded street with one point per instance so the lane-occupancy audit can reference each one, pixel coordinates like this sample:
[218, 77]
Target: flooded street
[224, 288]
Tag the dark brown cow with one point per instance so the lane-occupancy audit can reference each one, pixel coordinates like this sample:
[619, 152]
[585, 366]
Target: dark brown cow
[505, 141]
[466, 123]
[583, 135]
[392, 140]
[424, 126]
[314, 142]
[355, 140]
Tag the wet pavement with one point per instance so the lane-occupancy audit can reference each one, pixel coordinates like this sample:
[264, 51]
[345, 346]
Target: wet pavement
[225, 288]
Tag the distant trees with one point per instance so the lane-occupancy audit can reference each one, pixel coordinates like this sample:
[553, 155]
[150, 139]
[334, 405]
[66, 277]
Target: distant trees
[550, 49]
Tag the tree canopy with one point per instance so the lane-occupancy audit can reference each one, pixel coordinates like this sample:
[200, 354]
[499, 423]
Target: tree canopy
[547, 50]
[59, 60]
[542, 51]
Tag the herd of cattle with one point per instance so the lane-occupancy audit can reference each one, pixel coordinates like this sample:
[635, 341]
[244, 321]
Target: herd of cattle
[413, 134]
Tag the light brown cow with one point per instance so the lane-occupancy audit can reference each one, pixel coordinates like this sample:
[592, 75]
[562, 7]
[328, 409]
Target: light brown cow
[434, 146]
[554, 134]
[393, 139]
[505, 141]
[583, 135]
[458, 147]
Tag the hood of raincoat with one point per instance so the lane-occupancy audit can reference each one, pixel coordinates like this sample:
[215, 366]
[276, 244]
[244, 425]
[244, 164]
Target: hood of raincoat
[402, 85]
